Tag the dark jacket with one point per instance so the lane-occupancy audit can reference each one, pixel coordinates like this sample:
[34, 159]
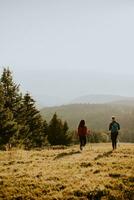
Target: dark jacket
[82, 131]
[114, 127]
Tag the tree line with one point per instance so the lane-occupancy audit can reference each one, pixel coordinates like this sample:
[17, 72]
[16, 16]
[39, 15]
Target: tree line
[21, 123]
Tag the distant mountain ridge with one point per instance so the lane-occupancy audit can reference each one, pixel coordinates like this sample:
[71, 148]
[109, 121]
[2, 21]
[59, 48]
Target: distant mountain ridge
[101, 99]
[51, 101]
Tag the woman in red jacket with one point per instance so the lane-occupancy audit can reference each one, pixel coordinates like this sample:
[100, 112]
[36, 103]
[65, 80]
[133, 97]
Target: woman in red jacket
[82, 132]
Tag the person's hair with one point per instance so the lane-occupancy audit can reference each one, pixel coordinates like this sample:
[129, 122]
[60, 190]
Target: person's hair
[82, 123]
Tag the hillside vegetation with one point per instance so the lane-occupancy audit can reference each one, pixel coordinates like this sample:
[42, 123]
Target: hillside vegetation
[97, 117]
[97, 173]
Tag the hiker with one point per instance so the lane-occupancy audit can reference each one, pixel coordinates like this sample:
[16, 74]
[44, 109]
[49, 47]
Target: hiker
[82, 132]
[114, 127]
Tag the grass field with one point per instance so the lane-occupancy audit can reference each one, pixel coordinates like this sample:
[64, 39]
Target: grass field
[68, 174]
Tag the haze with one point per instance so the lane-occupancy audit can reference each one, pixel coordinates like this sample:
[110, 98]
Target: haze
[69, 48]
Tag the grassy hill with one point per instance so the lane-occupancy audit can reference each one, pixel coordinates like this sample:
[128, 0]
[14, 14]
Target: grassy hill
[97, 173]
[97, 116]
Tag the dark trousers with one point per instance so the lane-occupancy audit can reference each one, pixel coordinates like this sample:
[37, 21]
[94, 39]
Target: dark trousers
[82, 140]
[114, 140]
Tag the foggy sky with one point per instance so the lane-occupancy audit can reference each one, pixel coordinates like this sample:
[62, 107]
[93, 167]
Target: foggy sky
[84, 46]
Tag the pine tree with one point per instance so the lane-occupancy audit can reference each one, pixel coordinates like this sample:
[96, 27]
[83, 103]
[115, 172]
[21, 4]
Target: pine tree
[8, 127]
[32, 120]
[12, 95]
[67, 136]
[45, 127]
[12, 100]
[58, 132]
[20, 121]
[45, 132]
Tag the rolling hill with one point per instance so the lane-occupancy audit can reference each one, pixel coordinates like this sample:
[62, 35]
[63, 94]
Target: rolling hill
[97, 116]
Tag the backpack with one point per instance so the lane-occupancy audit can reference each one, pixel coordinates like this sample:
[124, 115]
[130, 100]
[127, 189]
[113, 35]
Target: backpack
[114, 128]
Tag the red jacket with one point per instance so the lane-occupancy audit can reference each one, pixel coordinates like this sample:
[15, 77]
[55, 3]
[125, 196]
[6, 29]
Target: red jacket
[82, 131]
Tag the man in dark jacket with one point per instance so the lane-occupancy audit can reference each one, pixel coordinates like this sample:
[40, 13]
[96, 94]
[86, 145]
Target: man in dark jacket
[114, 127]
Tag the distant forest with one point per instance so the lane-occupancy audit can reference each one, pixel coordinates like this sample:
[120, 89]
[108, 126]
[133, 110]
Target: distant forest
[97, 117]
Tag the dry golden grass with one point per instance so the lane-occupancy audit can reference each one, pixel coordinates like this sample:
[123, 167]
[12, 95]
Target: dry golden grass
[68, 174]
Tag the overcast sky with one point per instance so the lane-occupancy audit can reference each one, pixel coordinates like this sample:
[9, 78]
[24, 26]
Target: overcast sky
[81, 46]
